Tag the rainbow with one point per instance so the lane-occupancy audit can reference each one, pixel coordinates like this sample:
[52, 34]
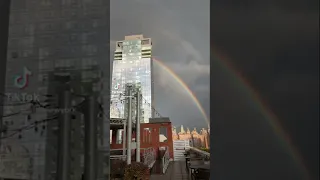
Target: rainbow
[186, 88]
[242, 83]
[271, 118]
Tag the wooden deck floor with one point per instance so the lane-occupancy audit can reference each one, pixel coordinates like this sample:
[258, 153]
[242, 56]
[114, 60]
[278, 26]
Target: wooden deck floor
[176, 171]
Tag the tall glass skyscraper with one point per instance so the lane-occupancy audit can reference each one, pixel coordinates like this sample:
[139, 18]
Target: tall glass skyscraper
[49, 38]
[132, 64]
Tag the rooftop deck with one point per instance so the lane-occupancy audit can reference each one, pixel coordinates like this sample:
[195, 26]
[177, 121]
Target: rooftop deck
[164, 169]
[176, 171]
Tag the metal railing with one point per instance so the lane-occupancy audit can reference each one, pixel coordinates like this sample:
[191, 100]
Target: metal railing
[204, 154]
[165, 161]
[149, 157]
[117, 154]
[119, 157]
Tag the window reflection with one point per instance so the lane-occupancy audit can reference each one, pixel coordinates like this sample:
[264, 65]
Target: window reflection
[126, 72]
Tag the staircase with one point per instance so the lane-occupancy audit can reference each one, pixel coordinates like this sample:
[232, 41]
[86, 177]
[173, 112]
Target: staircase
[162, 162]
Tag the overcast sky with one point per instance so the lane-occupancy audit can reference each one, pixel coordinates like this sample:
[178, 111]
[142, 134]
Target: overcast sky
[181, 41]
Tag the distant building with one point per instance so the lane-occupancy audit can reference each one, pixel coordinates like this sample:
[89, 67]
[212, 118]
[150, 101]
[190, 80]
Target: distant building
[201, 139]
[132, 64]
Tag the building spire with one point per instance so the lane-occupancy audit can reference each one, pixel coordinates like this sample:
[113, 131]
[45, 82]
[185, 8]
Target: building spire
[182, 130]
[174, 130]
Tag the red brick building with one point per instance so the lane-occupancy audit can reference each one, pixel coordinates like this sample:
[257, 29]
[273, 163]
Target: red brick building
[156, 134]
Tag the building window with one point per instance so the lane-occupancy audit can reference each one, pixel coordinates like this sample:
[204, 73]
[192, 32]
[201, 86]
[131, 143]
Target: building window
[44, 52]
[27, 53]
[145, 135]
[70, 25]
[97, 23]
[44, 65]
[27, 42]
[69, 2]
[29, 29]
[96, 87]
[43, 90]
[144, 42]
[43, 78]
[73, 38]
[87, 62]
[69, 62]
[48, 14]
[45, 40]
[163, 134]
[14, 55]
[13, 43]
[49, 26]
[87, 37]
[69, 13]
[18, 5]
[89, 49]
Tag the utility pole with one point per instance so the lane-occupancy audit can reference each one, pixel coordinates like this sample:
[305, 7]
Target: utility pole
[129, 139]
[63, 169]
[124, 135]
[138, 125]
[90, 159]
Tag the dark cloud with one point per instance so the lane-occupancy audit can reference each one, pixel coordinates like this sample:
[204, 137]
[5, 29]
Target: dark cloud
[274, 45]
[190, 58]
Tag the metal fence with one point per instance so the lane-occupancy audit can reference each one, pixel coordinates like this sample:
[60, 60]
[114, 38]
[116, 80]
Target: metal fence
[165, 161]
[179, 148]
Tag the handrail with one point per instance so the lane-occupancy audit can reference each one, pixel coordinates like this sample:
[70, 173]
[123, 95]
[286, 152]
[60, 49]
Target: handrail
[121, 157]
[165, 160]
[148, 156]
[203, 153]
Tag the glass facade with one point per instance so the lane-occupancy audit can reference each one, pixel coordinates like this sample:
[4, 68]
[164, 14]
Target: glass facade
[52, 37]
[131, 69]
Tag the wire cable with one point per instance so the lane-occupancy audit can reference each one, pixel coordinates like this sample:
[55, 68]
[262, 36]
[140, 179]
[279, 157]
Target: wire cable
[30, 126]
[19, 112]
[33, 103]
[146, 102]
[125, 97]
